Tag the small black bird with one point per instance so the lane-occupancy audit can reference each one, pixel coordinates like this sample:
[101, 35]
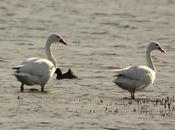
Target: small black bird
[68, 75]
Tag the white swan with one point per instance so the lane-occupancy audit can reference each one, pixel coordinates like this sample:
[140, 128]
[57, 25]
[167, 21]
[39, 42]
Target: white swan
[37, 71]
[135, 78]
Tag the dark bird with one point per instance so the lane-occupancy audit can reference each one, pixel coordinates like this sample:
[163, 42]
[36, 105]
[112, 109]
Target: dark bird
[68, 75]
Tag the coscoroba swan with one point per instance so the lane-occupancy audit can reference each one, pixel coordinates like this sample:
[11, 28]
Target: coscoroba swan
[37, 71]
[135, 78]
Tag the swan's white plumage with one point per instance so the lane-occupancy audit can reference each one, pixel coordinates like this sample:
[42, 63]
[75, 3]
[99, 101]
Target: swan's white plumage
[37, 71]
[135, 78]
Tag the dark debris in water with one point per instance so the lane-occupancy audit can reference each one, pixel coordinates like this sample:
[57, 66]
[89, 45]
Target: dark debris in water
[163, 107]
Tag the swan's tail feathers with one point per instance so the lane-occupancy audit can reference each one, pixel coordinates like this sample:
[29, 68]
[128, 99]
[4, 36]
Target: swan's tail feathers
[17, 67]
[118, 75]
[117, 70]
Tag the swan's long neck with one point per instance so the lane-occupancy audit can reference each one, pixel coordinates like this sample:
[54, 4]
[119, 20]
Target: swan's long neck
[49, 53]
[149, 59]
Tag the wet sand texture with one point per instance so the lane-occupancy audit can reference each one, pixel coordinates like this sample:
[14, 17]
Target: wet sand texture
[102, 35]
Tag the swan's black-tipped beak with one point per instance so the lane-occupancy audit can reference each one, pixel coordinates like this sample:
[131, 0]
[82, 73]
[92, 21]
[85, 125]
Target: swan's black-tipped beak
[63, 42]
[162, 50]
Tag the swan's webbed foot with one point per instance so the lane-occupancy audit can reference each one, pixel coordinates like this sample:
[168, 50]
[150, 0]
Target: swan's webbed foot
[22, 88]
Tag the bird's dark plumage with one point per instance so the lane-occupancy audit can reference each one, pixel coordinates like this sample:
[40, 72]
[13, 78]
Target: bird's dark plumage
[68, 75]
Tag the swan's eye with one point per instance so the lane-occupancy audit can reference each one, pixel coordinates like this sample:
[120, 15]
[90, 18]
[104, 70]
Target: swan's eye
[157, 44]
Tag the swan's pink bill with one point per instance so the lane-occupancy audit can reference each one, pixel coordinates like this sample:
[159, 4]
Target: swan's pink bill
[162, 50]
[62, 41]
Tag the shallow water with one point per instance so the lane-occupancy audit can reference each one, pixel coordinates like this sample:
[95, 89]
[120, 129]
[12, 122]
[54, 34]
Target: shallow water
[102, 35]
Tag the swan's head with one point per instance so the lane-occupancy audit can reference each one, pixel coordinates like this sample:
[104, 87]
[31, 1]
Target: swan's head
[155, 46]
[56, 38]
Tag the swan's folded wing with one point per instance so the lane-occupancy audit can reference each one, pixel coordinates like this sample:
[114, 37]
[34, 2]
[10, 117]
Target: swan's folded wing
[36, 66]
[30, 60]
[17, 67]
[121, 70]
[134, 72]
[27, 61]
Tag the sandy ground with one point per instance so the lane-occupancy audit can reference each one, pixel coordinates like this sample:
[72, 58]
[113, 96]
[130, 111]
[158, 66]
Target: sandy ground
[102, 35]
